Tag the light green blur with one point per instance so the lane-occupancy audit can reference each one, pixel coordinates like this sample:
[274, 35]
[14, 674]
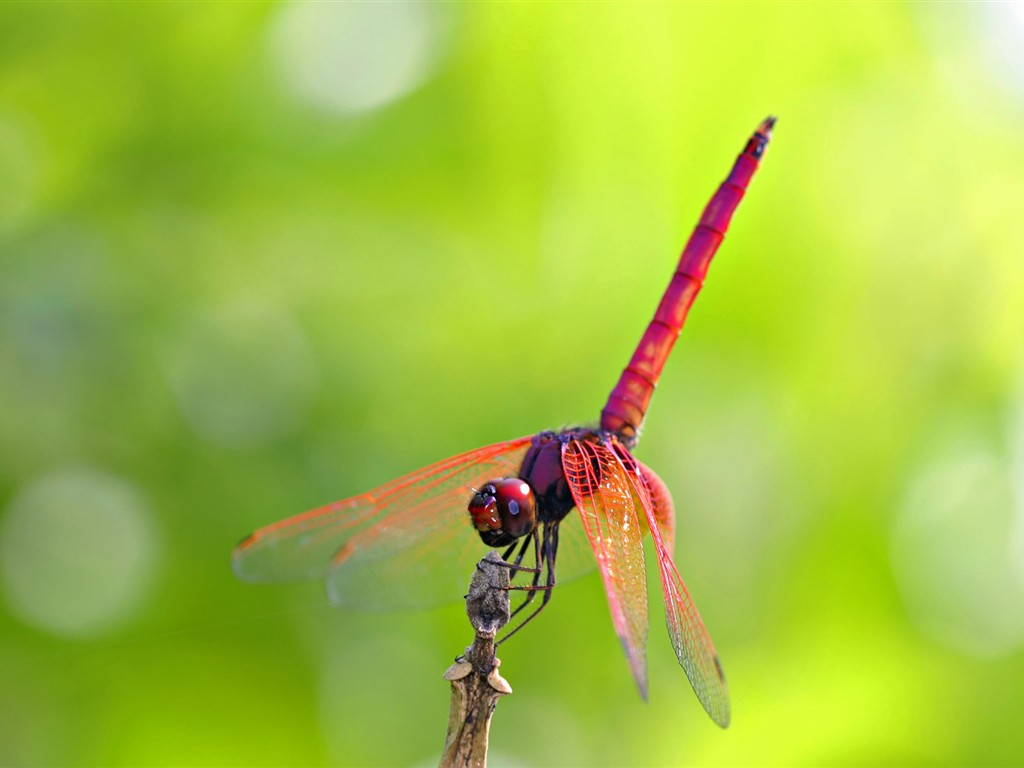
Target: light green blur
[258, 257]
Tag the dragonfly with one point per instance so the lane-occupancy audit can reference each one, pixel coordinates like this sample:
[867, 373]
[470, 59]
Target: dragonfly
[407, 544]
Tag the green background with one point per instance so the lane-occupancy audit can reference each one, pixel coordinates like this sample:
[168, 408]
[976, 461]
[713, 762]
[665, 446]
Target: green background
[257, 257]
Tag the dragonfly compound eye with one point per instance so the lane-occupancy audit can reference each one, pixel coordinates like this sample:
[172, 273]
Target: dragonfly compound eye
[503, 511]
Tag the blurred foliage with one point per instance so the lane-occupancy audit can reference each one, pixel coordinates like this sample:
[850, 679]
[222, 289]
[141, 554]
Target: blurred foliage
[255, 257]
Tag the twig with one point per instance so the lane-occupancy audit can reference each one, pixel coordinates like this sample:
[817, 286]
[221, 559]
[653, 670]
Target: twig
[476, 683]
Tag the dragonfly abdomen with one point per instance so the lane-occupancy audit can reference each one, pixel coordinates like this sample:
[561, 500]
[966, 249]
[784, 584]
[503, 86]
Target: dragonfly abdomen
[627, 404]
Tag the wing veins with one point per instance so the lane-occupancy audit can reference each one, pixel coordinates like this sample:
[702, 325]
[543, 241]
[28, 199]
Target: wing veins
[690, 639]
[610, 520]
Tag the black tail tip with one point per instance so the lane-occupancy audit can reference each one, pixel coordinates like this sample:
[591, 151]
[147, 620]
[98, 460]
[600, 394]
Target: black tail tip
[765, 128]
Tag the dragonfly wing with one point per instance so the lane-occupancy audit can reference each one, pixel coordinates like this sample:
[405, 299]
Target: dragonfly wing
[575, 554]
[661, 505]
[604, 497]
[407, 544]
[301, 547]
[689, 636]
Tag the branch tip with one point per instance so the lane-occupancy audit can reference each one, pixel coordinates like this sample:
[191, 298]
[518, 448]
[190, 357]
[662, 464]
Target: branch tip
[476, 683]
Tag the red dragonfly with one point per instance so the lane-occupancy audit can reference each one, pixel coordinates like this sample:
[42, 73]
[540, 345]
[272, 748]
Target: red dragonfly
[404, 544]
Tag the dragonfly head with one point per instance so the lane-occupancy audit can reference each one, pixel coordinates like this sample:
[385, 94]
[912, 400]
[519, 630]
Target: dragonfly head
[503, 511]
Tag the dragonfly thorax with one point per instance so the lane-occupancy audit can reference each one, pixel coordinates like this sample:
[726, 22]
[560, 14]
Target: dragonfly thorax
[542, 469]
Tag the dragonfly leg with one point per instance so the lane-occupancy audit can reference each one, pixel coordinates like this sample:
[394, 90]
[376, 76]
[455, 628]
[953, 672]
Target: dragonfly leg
[516, 566]
[545, 554]
[534, 586]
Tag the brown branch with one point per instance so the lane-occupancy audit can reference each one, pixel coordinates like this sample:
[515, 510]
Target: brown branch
[476, 683]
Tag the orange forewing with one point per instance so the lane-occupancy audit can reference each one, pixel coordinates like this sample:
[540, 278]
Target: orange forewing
[414, 530]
